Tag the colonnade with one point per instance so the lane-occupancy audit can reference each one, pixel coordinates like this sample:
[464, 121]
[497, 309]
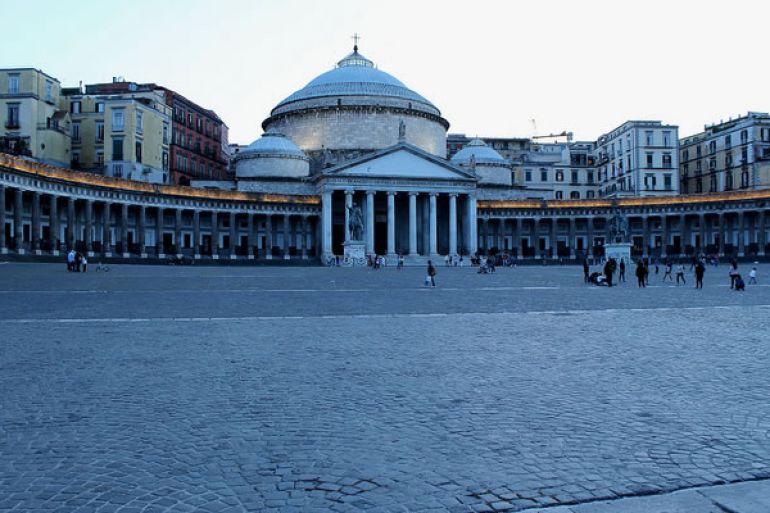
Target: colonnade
[416, 223]
[38, 223]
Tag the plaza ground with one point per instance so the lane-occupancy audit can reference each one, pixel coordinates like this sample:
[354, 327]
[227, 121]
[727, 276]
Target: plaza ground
[312, 389]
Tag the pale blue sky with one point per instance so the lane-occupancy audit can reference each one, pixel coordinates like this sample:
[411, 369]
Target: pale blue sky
[490, 67]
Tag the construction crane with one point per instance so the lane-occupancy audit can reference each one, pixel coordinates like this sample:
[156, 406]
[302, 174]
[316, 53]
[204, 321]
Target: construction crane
[566, 134]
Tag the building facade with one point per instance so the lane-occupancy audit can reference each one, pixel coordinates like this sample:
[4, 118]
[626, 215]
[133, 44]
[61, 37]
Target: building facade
[727, 156]
[34, 120]
[120, 129]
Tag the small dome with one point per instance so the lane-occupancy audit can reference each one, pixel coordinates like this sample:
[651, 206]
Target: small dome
[272, 144]
[482, 153]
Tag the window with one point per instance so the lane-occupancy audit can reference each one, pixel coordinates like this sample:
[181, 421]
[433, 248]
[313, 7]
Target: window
[543, 175]
[559, 195]
[165, 161]
[667, 160]
[765, 134]
[574, 195]
[667, 182]
[649, 160]
[685, 168]
[100, 132]
[76, 158]
[574, 176]
[99, 107]
[528, 175]
[712, 147]
[745, 179]
[165, 134]
[728, 181]
[118, 121]
[13, 84]
[666, 138]
[699, 186]
[729, 159]
[712, 164]
[744, 136]
[698, 151]
[100, 158]
[75, 107]
[75, 132]
[559, 175]
[713, 184]
[649, 182]
[686, 155]
[590, 176]
[728, 142]
[684, 187]
[744, 156]
[139, 152]
[48, 91]
[12, 118]
[117, 170]
[648, 135]
[117, 148]
[590, 194]
[139, 126]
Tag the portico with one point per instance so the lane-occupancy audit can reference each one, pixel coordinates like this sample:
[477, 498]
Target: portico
[414, 205]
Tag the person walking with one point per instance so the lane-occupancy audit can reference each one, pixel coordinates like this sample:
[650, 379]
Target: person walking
[700, 269]
[586, 270]
[668, 272]
[431, 274]
[400, 264]
[733, 273]
[84, 263]
[657, 266]
[622, 267]
[608, 272]
[753, 276]
[680, 274]
[641, 274]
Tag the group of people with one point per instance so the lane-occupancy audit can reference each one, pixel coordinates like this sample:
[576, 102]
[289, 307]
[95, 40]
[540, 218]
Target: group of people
[76, 261]
[642, 273]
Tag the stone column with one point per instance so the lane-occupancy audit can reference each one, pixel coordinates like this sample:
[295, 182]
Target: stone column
[124, 228]
[141, 227]
[413, 223]
[453, 225]
[326, 221]
[18, 233]
[683, 233]
[391, 224]
[484, 238]
[554, 237]
[571, 242]
[369, 222]
[36, 223]
[89, 227]
[70, 223]
[53, 225]
[433, 225]
[159, 249]
[590, 235]
[306, 236]
[702, 232]
[516, 236]
[646, 236]
[348, 205]
[214, 235]
[250, 235]
[269, 236]
[762, 236]
[178, 231]
[741, 233]
[3, 247]
[721, 247]
[233, 235]
[664, 243]
[286, 236]
[196, 234]
[106, 249]
[536, 236]
[472, 226]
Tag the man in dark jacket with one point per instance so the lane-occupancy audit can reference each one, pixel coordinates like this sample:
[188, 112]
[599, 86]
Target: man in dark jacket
[641, 274]
[608, 272]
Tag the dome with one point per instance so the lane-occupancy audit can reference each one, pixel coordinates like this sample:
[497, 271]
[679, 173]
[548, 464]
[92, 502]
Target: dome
[482, 153]
[272, 156]
[272, 144]
[355, 75]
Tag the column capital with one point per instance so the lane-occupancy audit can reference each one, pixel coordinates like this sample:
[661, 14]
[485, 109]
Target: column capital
[349, 192]
[414, 193]
[370, 193]
[392, 193]
[433, 194]
[453, 194]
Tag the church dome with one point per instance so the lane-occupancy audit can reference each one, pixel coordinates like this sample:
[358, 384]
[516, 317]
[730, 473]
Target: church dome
[356, 108]
[355, 75]
[482, 153]
[271, 156]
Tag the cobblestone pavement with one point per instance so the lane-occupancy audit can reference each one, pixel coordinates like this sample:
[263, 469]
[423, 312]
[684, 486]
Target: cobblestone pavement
[252, 389]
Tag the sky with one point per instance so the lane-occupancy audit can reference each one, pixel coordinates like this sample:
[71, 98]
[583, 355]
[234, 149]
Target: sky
[491, 67]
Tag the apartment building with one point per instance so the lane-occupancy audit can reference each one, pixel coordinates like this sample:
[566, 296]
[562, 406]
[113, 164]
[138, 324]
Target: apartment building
[33, 121]
[726, 156]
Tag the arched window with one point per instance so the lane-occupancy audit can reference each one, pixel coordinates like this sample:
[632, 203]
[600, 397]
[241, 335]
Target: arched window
[559, 175]
[574, 195]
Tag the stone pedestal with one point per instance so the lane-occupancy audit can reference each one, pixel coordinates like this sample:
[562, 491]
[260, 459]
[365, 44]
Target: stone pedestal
[355, 253]
[618, 251]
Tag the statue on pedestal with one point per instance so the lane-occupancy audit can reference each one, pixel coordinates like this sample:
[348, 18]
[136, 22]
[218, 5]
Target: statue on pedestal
[355, 223]
[617, 228]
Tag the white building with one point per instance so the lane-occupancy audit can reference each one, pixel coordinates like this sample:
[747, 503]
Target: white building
[639, 158]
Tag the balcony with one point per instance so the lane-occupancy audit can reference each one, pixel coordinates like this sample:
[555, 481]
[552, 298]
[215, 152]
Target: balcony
[12, 124]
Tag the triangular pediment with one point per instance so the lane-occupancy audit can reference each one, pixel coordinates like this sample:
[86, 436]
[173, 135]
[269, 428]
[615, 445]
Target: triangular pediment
[401, 161]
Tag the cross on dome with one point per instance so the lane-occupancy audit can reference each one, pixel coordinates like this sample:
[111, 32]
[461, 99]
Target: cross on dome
[355, 38]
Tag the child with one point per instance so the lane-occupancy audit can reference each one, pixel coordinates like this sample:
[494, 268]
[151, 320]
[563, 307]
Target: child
[739, 284]
[753, 276]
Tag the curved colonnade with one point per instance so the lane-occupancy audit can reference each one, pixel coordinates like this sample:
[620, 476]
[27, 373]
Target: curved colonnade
[46, 210]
